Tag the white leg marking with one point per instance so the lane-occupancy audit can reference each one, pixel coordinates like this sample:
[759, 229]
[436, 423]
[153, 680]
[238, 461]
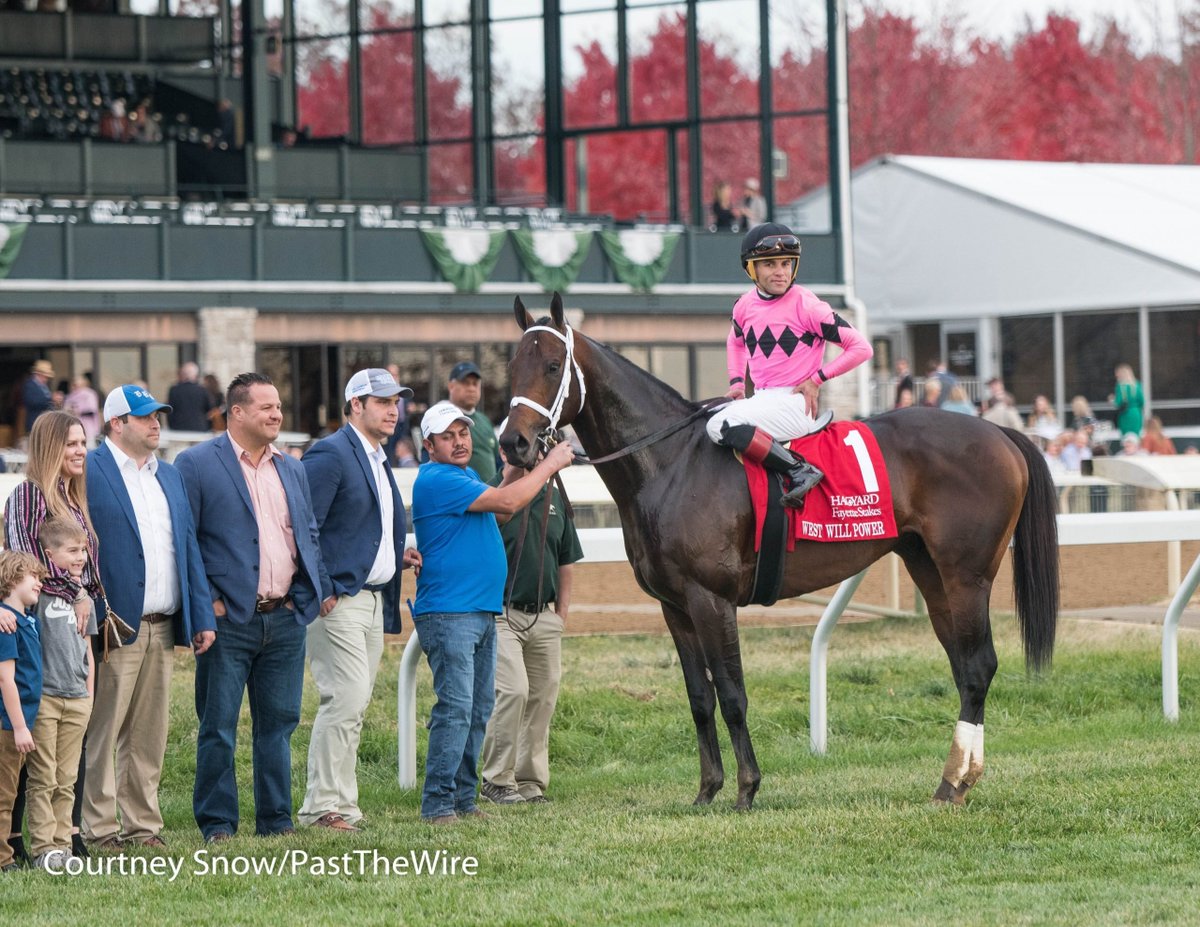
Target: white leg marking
[975, 769]
[958, 762]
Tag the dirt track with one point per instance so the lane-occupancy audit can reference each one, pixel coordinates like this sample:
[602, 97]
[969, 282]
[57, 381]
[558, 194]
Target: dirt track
[607, 599]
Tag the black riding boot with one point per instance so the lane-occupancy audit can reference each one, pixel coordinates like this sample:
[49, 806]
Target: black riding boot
[760, 447]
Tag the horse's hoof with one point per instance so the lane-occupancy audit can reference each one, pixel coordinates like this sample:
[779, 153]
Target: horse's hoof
[744, 804]
[948, 794]
[707, 793]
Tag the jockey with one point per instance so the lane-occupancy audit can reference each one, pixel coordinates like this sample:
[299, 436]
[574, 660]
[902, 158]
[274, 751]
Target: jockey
[780, 331]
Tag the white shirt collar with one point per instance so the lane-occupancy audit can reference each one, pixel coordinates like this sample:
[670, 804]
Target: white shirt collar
[122, 459]
[373, 452]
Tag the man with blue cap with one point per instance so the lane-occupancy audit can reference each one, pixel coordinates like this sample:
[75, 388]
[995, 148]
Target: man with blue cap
[155, 580]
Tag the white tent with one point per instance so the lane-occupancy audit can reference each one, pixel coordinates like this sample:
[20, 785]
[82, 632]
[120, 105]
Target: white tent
[946, 238]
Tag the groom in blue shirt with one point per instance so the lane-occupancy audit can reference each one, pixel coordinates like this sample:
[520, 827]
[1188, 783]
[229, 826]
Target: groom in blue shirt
[459, 593]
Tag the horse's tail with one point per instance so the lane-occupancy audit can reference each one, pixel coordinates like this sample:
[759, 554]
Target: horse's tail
[1035, 557]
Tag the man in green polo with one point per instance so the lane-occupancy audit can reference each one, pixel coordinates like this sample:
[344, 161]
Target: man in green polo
[515, 765]
[466, 389]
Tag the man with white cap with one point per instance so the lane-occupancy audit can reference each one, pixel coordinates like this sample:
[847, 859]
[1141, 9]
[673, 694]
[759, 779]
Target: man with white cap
[361, 520]
[459, 594]
[155, 580]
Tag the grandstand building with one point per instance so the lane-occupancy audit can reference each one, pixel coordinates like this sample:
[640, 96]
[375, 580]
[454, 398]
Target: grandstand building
[306, 188]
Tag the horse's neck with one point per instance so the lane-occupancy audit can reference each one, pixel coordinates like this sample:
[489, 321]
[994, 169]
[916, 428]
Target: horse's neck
[620, 410]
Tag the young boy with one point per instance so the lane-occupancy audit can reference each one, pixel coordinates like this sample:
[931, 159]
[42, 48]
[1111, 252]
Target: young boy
[69, 674]
[20, 679]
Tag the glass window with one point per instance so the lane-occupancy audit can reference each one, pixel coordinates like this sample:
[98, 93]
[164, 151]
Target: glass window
[570, 6]
[520, 165]
[276, 362]
[387, 88]
[621, 174]
[448, 82]
[518, 77]
[657, 52]
[728, 50]
[683, 179]
[318, 17]
[1093, 346]
[451, 174]
[493, 361]
[414, 364]
[712, 376]
[589, 66]
[800, 163]
[729, 153]
[670, 364]
[162, 367]
[1175, 337]
[512, 8]
[798, 59]
[1026, 357]
[357, 357]
[385, 14]
[322, 87]
[116, 366]
[447, 11]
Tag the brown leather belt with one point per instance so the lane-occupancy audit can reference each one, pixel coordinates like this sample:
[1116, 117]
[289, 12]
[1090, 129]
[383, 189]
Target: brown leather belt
[270, 605]
[156, 618]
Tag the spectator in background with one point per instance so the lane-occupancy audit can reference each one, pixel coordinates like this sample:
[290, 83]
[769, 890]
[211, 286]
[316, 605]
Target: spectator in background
[1043, 420]
[226, 125]
[216, 415]
[724, 213]
[754, 207]
[403, 428]
[1131, 446]
[1081, 413]
[466, 389]
[904, 380]
[113, 125]
[1129, 400]
[1003, 412]
[1053, 456]
[936, 370]
[190, 402]
[144, 124]
[405, 457]
[904, 398]
[995, 390]
[84, 404]
[1154, 441]
[1077, 450]
[36, 395]
[958, 402]
[932, 396]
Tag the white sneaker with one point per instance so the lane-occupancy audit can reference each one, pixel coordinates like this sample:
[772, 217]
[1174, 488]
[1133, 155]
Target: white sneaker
[51, 860]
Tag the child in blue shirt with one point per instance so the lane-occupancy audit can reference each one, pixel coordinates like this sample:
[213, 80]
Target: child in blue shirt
[21, 577]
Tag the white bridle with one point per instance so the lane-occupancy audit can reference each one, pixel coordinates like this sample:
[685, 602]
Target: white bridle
[564, 388]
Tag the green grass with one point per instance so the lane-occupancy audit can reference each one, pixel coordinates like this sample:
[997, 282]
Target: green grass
[1088, 813]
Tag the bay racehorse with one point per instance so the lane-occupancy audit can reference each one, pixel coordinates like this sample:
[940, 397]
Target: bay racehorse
[962, 487]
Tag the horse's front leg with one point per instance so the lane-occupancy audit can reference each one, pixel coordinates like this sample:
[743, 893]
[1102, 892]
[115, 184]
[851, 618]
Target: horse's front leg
[702, 699]
[715, 621]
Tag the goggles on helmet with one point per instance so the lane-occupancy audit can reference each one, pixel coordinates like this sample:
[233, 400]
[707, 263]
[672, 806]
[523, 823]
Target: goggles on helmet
[776, 244]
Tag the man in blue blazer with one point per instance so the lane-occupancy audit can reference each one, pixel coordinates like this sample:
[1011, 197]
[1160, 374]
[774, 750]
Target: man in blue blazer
[361, 518]
[261, 551]
[154, 578]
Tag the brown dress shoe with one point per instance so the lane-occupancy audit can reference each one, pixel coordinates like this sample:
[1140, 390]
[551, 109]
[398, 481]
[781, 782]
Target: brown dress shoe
[334, 821]
[442, 820]
[474, 813]
[155, 841]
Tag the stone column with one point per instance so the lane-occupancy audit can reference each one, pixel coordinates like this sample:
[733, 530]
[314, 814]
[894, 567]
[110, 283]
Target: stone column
[226, 341]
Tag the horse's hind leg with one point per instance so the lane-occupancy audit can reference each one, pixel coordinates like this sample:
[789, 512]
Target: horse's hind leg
[715, 621]
[702, 699]
[958, 609]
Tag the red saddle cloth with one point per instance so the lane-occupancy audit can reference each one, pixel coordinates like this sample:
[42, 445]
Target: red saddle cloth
[852, 503]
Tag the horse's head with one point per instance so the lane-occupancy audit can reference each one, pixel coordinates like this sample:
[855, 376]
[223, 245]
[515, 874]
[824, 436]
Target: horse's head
[546, 382]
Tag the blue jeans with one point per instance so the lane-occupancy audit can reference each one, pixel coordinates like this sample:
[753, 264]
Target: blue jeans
[461, 648]
[266, 657]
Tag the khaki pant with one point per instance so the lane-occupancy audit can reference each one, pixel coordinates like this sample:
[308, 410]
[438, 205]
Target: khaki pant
[516, 749]
[344, 649]
[133, 697]
[10, 774]
[53, 769]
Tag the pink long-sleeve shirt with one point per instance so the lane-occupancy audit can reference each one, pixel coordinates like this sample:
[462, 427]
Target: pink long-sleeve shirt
[782, 340]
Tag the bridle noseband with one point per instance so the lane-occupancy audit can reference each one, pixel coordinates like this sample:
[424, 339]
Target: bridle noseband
[554, 413]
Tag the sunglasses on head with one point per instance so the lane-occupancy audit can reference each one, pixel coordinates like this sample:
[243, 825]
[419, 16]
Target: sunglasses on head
[773, 243]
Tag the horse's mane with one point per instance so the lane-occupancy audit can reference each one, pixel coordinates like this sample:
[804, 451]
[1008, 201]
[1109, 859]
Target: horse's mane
[643, 378]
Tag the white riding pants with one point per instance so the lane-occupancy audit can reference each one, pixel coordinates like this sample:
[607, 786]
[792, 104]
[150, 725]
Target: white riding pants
[778, 411]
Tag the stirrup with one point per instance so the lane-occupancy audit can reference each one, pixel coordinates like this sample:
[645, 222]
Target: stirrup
[822, 421]
[804, 476]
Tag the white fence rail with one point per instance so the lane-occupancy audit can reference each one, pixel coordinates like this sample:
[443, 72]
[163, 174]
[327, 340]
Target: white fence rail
[605, 544]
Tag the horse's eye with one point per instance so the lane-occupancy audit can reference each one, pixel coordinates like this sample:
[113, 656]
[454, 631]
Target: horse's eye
[553, 367]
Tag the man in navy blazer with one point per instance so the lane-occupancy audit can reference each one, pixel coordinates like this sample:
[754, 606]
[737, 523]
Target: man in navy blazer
[361, 519]
[261, 551]
[154, 579]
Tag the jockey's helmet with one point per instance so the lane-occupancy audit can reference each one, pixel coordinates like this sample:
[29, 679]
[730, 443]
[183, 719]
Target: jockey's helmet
[769, 240]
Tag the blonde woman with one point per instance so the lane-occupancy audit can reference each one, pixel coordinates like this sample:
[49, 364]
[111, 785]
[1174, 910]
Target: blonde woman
[1130, 401]
[54, 485]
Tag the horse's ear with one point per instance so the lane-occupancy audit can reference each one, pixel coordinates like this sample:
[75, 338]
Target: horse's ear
[524, 319]
[556, 309]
